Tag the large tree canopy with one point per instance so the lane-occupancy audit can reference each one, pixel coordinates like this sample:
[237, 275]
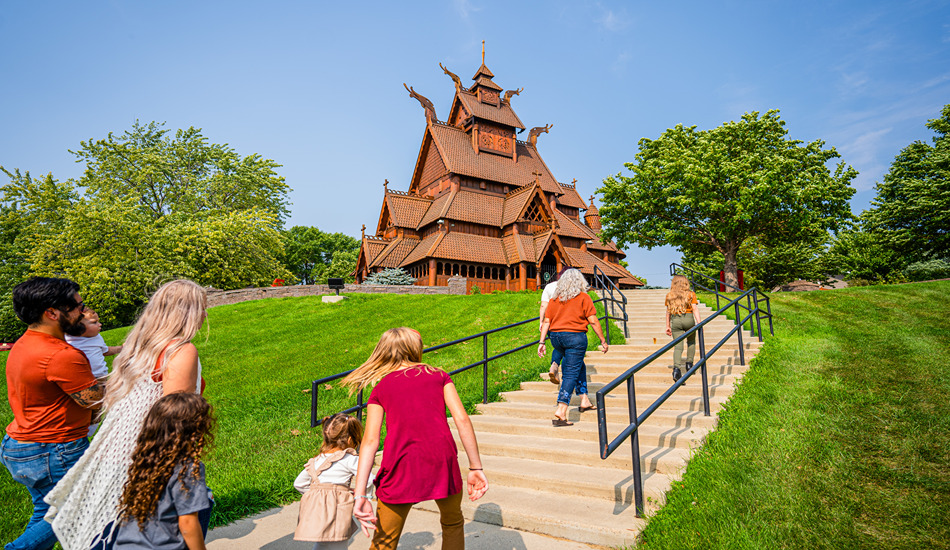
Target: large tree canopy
[715, 189]
[181, 174]
[149, 208]
[911, 212]
[312, 255]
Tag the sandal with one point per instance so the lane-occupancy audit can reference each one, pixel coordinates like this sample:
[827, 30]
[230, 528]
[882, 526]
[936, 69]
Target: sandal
[585, 409]
[560, 423]
[553, 377]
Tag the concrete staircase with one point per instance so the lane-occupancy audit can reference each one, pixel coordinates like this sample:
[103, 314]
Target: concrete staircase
[552, 481]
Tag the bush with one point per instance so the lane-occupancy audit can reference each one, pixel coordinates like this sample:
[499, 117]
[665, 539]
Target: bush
[476, 290]
[396, 276]
[929, 270]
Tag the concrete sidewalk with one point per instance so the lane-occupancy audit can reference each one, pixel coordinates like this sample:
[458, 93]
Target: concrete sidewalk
[274, 530]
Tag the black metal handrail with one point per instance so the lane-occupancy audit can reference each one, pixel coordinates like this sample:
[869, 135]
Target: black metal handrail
[607, 287]
[677, 269]
[316, 419]
[636, 420]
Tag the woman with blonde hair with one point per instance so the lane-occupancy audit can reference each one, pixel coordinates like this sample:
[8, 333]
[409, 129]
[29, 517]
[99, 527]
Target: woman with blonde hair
[157, 359]
[566, 318]
[681, 315]
[420, 459]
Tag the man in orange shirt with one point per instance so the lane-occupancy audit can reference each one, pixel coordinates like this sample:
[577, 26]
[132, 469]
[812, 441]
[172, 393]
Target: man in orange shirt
[52, 393]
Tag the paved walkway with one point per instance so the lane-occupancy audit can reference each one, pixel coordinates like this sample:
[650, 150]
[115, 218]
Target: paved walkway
[274, 530]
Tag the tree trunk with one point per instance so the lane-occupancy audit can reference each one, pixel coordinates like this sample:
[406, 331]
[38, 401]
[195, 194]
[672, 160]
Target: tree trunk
[730, 268]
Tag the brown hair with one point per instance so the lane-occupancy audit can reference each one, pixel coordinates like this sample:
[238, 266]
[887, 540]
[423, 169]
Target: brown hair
[680, 297]
[397, 348]
[340, 432]
[176, 431]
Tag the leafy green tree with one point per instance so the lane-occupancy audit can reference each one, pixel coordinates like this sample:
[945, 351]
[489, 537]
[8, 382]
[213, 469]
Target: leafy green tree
[179, 174]
[150, 207]
[312, 255]
[715, 189]
[859, 254]
[30, 211]
[911, 212]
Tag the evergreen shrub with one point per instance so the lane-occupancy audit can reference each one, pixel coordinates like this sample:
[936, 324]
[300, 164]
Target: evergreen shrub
[395, 276]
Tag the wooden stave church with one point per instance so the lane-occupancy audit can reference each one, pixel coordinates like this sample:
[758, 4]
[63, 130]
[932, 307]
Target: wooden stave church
[483, 205]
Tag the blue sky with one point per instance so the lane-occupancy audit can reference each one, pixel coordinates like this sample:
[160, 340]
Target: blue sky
[317, 86]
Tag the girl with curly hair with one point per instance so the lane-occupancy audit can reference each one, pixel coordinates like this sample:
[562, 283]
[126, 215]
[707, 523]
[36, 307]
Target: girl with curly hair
[165, 502]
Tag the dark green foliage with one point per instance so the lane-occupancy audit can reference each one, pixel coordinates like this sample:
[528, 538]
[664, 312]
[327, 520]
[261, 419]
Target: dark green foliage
[151, 206]
[714, 190]
[911, 212]
[312, 255]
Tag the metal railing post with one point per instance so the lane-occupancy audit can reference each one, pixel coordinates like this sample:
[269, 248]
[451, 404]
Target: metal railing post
[748, 303]
[768, 305]
[635, 448]
[485, 369]
[359, 404]
[703, 371]
[758, 317]
[739, 334]
[314, 388]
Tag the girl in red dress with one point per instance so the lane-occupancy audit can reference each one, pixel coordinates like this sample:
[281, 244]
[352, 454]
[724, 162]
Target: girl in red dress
[420, 459]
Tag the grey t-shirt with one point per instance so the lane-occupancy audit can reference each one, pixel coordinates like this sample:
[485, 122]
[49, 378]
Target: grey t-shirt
[161, 532]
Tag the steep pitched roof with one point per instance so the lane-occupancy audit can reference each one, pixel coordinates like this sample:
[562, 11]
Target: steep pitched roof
[455, 146]
[372, 247]
[394, 253]
[569, 227]
[460, 246]
[503, 114]
[571, 197]
[482, 208]
[424, 248]
[516, 202]
[406, 210]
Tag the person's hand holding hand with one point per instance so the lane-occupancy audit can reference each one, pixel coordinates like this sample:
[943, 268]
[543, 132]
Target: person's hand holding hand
[477, 484]
[363, 510]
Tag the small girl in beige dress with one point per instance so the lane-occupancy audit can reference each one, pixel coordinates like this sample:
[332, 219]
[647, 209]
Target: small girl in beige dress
[326, 509]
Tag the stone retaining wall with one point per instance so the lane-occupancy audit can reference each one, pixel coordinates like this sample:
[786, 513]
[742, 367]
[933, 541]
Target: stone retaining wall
[457, 285]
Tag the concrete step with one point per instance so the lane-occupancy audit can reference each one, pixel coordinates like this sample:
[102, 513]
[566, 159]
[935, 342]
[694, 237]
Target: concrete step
[677, 413]
[684, 399]
[591, 480]
[645, 384]
[653, 458]
[568, 516]
[654, 432]
[660, 366]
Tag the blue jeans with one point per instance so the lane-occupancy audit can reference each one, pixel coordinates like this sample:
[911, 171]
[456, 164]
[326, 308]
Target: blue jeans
[572, 347]
[39, 466]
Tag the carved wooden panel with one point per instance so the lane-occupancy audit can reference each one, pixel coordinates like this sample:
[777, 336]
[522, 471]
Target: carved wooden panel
[495, 140]
[486, 95]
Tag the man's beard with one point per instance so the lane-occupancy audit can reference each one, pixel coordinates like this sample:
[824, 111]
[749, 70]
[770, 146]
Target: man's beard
[72, 329]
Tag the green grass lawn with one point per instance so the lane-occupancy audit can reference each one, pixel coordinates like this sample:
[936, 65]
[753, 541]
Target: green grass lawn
[259, 358]
[838, 437]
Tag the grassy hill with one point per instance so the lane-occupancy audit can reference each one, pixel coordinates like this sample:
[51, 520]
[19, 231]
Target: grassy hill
[259, 358]
[838, 437]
